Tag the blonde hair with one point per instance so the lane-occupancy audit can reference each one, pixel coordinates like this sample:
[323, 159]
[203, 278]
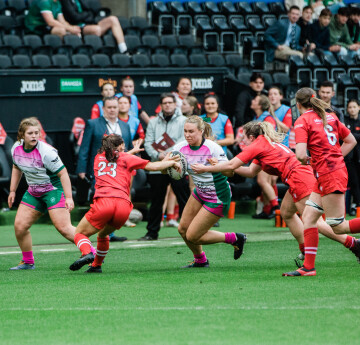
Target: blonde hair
[256, 128]
[192, 100]
[307, 98]
[265, 104]
[202, 126]
[24, 124]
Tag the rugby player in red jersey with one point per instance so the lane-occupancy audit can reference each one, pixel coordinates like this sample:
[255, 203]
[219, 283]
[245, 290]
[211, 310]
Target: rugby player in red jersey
[263, 146]
[112, 206]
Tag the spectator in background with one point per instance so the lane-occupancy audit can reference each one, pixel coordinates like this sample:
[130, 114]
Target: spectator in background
[243, 112]
[76, 13]
[304, 22]
[220, 123]
[352, 160]
[282, 38]
[319, 32]
[340, 39]
[127, 88]
[165, 130]
[190, 106]
[107, 90]
[353, 24]
[93, 134]
[46, 17]
[326, 93]
[136, 129]
[298, 3]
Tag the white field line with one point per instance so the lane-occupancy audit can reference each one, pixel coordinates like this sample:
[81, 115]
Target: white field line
[190, 308]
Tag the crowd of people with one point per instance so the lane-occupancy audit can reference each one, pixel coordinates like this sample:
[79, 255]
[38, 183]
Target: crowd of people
[312, 32]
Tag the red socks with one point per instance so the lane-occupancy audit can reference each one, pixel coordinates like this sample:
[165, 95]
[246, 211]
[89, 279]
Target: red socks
[302, 247]
[354, 225]
[83, 243]
[349, 242]
[311, 242]
[101, 250]
[274, 203]
[267, 208]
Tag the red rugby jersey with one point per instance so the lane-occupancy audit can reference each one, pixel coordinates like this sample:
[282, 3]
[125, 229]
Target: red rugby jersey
[274, 159]
[113, 179]
[322, 143]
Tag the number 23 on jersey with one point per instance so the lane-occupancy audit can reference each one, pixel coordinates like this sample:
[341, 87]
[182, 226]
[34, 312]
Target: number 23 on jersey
[104, 171]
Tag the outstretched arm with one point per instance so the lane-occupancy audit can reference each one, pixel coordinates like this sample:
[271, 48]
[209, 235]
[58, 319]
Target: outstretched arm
[250, 171]
[223, 166]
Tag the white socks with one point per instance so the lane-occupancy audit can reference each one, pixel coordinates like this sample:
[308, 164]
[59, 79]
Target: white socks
[122, 47]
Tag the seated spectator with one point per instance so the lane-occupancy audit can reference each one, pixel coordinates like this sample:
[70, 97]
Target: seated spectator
[76, 13]
[326, 93]
[220, 123]
[127, 88]
[243, 113]
[290, 3]
[340, 39]
[353, 24]
[46, 17]
[304, 22]
[352, 160]
[282, 38]
[107, 90]
[136, 129]
[190, 106]
[319, 32]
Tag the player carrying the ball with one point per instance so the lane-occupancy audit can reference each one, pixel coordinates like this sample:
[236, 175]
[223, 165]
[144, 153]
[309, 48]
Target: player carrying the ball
[112, 206]
[210, 200]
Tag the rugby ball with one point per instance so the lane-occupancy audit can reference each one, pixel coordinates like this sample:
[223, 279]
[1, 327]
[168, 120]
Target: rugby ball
[135, 216]
[183, 163]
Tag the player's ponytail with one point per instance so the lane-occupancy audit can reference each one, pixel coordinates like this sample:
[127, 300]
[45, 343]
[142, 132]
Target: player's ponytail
[109, 145]
[307, 98]
[256, 128]
[24, 124]
[202, 126]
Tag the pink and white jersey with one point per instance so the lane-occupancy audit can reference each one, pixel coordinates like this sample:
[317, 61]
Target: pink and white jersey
[208, 185]
[40, 166]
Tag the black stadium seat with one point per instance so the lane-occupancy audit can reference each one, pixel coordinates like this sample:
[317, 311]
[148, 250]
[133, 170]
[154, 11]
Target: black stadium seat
[36, 45]
[5, 62]
[41, 61]
[121, 60]
[228, 8]
[18, 7]
[160, 60]
[77, 45]
[216, 60]
[192, 46]
[80, 60]
[198, 60]
[177, 7]
[277, 8]
[211, 7]
[60, 61]
[169, 41]
[254, 23]
[179, 60]
[261, 8]
[141, 60]
[21, 61]
[220, 23]
[244, 7]
[194, 8]
[237, 23]
[101, 60]
[142, 25]
[132, 43]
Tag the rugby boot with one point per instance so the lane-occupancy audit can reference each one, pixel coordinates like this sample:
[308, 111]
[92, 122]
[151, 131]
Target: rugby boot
[23, 266]
[239, 245]
[301, 272]
[194, 264]
[85, 259]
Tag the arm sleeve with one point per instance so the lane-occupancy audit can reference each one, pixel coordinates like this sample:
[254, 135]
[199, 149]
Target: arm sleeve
[228, 129]
[45, 6]
[343, 130]
[301, 134]
[149, 139]
[84, 151]
[270, 33]
[271, 120]
[95, 112]
[247, 154]
[287, 120]
[52, 161]
[219, 153]
[135, 162]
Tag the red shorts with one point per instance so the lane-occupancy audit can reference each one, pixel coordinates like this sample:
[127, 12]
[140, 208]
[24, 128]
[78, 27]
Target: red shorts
[332, 182]
[111, 211]
[301, 182]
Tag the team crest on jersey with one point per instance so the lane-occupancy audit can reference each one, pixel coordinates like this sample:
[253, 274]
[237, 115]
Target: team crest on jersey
[52, 200]
[55, 160]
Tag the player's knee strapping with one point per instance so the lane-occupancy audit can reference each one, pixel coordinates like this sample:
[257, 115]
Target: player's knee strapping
[315, 206]
[334, 221]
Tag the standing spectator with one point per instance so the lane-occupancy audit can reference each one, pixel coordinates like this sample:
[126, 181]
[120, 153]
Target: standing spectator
[304, 22]
[340, 39]
[282, 38]
[46, 17]
[220, 123]
[136, 128]
[319, 32]
[326, 93]
[107, 90]
[127, 88]
[93, 134]
[352, 160]
[298, 3]
[353, 24]
[165, 130]
[243, 112]
[76, 13]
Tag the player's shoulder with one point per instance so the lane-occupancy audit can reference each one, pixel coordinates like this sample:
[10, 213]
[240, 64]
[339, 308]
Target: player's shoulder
[180, 145]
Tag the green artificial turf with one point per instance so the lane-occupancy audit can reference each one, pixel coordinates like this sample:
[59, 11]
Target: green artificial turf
[144, 297]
